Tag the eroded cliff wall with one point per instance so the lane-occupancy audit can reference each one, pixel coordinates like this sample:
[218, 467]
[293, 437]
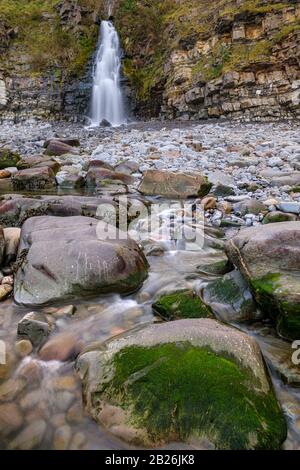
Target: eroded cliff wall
[192, 59]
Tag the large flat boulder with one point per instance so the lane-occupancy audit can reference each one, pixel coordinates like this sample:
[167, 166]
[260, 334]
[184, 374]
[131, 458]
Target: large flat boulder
[171, 184]
[193, 381]
[268, 256]
[69, 258]
[16, 209]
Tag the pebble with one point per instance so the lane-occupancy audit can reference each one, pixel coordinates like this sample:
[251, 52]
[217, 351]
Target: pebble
[23, 348]
[30, 437]
[62, 437]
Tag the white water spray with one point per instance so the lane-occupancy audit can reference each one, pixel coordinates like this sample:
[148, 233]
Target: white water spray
[107, 100]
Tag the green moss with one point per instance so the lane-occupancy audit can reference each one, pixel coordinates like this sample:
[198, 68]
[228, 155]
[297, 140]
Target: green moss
[45, 41]
[176, 391]
[8, 158]
[288, 322]
[277, 217]
[220, 267]
[181, 304]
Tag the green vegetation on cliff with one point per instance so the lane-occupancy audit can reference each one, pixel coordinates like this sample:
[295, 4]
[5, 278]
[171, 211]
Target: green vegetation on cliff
[50, 34]
[151, 31]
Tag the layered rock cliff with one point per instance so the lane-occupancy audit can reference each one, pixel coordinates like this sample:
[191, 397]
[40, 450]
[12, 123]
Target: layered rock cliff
[192, 59]
[46, 51]
[186, 59]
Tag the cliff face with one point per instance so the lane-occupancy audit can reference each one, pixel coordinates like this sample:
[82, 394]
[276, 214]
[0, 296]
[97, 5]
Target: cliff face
[46, 50]
[192, 59]
[186, 59]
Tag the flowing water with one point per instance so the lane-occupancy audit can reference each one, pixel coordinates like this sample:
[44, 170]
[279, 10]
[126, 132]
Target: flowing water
[107, 100]
[48, 394]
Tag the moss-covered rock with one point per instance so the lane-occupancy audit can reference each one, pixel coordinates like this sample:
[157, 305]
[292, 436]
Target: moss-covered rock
[192, 381]
[8, 158]
[269, 258]
[181, 304]
[230, 298]
[278, 216]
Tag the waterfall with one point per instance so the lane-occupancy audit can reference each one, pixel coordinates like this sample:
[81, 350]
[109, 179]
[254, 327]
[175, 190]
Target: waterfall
[107, 100]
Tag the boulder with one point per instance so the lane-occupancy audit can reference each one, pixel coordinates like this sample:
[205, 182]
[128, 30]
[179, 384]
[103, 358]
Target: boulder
[268, 256]
[186, 381]
[2, 246]
[249, 206]
[97, 176]
[38, 161]
[181, 304]
[72, 141]
[34, 327]
[12, 240]
[230, 298]
[278, 216]
[57, 148]
[34, 179]
[8, 158]
[84, 260]
[171, 184]
[14, 211]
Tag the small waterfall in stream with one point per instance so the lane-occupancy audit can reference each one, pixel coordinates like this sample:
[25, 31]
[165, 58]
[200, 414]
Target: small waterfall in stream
[107, 100]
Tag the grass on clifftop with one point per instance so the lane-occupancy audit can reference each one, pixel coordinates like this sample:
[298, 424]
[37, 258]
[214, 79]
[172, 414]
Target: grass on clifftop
[45, 42]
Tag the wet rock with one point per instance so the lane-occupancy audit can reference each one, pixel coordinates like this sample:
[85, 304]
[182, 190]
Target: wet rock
[268, 256]
[23, 348]
[278, 216]
[75, 414]
[62, 438]
[64, 400]
[194, 363]
[31, 400]
[62, 347]
[72, 141]
[84, 251]
[5, 174]
[31, 370]
[30, 437]
[69, 180]
[209, 203]
[38, 161]
[78, 441]
[291, 207]
[2, 246]
[34, 327]
[249, 206]
[10, 389]
[230, 298]
[97, 177]
[105, 123]
[57, 148]
[127, 167]
[177, 185]
[8, 158]
[13, 212]
[181, 304]
[11, 419]
[5, 290]
[65, 382]
[34, 179]
[12, 240]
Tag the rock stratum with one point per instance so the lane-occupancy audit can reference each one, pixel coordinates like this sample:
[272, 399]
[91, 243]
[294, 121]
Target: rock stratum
[183, 59]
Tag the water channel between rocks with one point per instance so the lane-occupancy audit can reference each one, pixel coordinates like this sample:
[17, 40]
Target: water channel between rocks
[48, 394]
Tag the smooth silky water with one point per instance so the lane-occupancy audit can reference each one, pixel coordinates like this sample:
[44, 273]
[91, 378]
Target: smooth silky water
[107, 101]
[53, 392]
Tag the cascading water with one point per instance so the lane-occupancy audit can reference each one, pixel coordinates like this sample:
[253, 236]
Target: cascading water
[107, 100]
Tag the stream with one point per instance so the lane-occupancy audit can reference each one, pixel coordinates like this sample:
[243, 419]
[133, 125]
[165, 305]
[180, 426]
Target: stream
[49, 393]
